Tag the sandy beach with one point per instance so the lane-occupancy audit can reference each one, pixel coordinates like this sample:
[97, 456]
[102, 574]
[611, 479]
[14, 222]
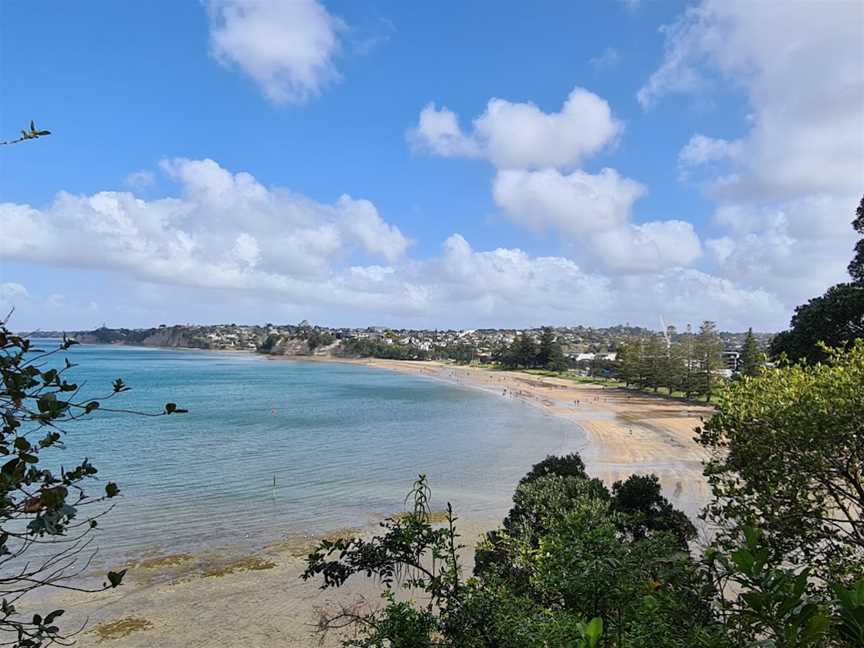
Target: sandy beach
[232, 600]
[627, 431]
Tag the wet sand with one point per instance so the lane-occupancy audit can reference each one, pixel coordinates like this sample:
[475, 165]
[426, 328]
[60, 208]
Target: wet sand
[232, 600]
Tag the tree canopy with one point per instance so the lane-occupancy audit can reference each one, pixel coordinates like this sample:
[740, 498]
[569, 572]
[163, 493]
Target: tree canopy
[788, 456]
[40, 507]
[835, 319]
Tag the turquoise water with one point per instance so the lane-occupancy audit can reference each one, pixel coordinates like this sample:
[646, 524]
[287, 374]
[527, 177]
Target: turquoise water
[344, 443]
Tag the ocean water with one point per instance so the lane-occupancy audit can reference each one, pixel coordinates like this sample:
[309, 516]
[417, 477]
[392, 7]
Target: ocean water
[344, 443]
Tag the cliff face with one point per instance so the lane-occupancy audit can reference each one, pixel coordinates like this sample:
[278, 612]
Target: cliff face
[288, 346]
[173, 336]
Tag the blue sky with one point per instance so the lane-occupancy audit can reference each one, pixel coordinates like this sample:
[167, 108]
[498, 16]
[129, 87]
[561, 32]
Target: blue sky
[683, 181]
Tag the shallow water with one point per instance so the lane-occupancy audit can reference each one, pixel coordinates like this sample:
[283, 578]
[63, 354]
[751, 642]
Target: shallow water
[344, 442]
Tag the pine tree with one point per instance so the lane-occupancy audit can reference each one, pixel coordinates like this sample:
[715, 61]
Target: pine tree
[654, 362]
[856, 266]
[523, 351]
[625, 360]
[689, 362]
[549, 354]
[751, 358]
[708, 352]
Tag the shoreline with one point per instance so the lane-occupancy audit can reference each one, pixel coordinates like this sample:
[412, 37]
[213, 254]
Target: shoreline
[182, 599]
[626, 432]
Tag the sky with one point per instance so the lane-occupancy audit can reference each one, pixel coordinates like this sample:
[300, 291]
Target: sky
[427, 165]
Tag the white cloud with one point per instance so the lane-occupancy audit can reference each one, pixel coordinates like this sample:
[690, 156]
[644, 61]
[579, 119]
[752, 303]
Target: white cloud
[10, 291]
[649, 247]
[438, 133]
[575, 204]
[795, 249]
[246, 250]
[702, 150]
[608, 59]
[687, 295]
[361, 222]
[225, 230]
[12, 295]
[286, 47]
[594, 212]
[591, 210]
[226, 240]
[140, 179]
[786, 190]
[801, 66]
[520, 135]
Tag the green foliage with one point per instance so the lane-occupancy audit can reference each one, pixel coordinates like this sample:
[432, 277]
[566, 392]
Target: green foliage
[856, 266]
[522, 353]
[849, 613]
[573, 566]
[835, 319]
[751, 358]
[646, 511]
[549, 354]
[768, 605]
[37, 504]
[788, 456]
[707, 350]
[685, 363]
[570, 465]
[367, 348]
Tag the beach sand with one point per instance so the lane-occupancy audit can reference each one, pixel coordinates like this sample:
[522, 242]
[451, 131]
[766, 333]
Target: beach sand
[231, 600]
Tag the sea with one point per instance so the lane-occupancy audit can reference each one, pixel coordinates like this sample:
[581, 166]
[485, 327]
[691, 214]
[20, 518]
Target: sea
[271, 449]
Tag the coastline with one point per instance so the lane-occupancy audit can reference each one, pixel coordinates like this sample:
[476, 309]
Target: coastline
[627, 432]
[183, 600]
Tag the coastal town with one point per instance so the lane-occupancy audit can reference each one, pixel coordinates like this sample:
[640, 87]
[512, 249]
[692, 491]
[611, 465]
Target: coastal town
[581, 346]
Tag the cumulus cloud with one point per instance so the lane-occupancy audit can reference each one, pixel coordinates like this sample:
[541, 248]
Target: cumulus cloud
[286, 47]
[806, 91]
[530, 148]
[225, 239]
[648, 247]
[521, 135]
[785, 190]
[140, 179]
[575, 203]
[795, 249]
[701, 150]
[438, 132]
[224, 230]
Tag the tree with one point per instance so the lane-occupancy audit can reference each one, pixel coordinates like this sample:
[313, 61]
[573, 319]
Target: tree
[787, 455]
[411, 553]
[627, 362]
[522, 352]
[39, 506]
[570, 465]
[646, 511]
[856, 266]
[549, 354]
[751, 358]
[570, 555]
[708, 349]
[654, 362]
[688, 378]
[835, 319]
